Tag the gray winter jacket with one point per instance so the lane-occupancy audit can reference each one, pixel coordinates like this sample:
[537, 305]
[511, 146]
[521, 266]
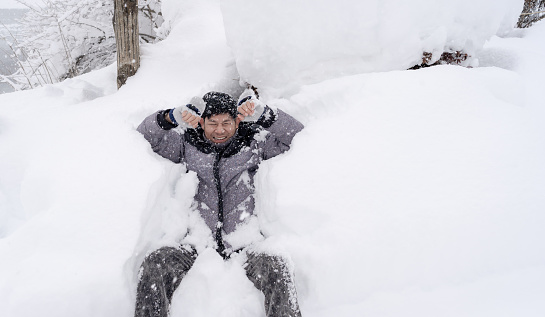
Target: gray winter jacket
[225, 196]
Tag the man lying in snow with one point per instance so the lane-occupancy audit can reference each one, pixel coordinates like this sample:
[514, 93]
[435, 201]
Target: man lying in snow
[224, 144]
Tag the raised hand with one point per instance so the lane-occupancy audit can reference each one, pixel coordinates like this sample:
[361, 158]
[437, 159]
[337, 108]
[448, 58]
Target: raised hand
[191, 119]
[247, 109]
[187, 115]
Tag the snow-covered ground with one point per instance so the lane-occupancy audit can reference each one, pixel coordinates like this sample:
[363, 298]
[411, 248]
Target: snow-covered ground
[409, 193]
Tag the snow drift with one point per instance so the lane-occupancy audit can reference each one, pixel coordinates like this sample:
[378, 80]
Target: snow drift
[287, 43]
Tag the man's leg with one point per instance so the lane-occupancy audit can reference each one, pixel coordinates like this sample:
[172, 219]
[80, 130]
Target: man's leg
[159, 276]
[271, 275]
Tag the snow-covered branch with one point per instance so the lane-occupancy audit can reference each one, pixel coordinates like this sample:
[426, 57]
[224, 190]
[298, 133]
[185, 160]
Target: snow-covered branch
[65, 38]
[533, 11]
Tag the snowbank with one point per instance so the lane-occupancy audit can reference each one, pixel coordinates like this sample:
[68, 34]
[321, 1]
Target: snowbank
[289, 43]
[419, 193]
[414, 193]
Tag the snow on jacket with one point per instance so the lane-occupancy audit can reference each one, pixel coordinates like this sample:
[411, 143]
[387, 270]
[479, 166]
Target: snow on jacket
[225, 195]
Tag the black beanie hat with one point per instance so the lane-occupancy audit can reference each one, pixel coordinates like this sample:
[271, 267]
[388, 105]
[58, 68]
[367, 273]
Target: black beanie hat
[219, 103]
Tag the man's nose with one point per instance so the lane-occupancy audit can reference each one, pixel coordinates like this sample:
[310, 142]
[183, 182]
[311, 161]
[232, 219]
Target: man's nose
[220, 129]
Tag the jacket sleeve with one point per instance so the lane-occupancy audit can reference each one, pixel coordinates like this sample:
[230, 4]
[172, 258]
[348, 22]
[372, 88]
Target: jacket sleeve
[282, 128]
[163, 139]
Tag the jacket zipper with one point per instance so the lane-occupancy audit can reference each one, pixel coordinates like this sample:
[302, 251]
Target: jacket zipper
[219, 226]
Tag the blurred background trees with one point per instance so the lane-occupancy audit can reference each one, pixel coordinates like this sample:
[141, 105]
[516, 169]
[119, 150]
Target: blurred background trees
[61, 39]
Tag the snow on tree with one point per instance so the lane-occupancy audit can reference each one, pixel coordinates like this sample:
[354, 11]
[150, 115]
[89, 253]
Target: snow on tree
[60, 39]
[150, 19]
[534, 10]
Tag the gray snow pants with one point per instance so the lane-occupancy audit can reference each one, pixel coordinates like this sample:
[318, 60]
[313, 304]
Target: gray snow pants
[163, 270]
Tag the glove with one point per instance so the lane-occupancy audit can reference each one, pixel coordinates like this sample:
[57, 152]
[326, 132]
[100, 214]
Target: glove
[195, 107]
[249, 95]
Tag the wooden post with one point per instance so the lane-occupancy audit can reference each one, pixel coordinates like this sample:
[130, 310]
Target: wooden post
[126, 39]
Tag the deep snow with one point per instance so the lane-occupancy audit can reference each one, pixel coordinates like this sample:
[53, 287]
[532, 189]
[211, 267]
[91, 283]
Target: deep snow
[313, 40]
[409, 193]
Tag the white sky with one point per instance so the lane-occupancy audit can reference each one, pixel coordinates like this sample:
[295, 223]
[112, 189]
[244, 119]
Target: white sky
[9, 4]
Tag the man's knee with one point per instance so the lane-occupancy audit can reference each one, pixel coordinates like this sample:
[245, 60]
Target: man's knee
[273, 276]
[267, 268]
[168, 257]
[158, 257]
[267, 261]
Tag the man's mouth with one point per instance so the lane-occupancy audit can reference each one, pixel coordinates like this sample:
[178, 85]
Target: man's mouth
[220, 139]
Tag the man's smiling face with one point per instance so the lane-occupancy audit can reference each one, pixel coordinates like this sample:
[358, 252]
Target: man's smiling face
[220, 128]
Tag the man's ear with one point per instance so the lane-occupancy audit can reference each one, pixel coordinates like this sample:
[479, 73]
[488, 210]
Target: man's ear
[201, 122]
